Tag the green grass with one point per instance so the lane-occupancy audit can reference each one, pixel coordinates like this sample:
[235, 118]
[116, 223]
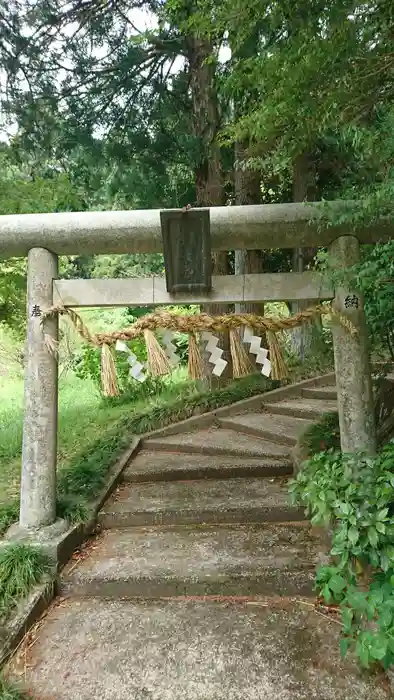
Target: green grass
[9, 691]
[93, 432]
[105, 428]
[21, 568]
[83, 416]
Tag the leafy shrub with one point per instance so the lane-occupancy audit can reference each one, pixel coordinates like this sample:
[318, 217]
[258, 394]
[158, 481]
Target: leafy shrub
[180, 340]
[355, 496]
[373, 277]
[323, 435]
[87, 365]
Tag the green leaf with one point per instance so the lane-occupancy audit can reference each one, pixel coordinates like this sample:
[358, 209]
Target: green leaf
[356, 599]
[347, 618]
[382, 515]
[363, 653]
[381, 527]
[386, 617]
[373, 536]
[337, 583]
[384, 561]
[353, 535]
[379, 647]
[344, 645]
[344, 508]
[326, 593]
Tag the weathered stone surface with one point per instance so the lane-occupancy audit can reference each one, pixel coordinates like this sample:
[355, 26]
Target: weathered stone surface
[95, 649]
[50, 538]
[211, 560]
[238, 227]
[188, 541]
[351, 355]
[303, 408]
[324, 393]
[166, 466]
[195, 502]
[284, 430]
[217, 442]
[39, 444]
[225, 288]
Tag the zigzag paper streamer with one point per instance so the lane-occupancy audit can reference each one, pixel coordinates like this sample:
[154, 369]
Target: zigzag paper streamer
[169, 347]
[219, 365]
[136, 368]
[261, 353]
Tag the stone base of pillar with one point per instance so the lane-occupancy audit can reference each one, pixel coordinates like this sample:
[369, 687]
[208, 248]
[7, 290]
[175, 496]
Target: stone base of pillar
[50, 538]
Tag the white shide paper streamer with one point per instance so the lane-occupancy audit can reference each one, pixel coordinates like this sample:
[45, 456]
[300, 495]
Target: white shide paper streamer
[216, 353]
[261, 353]
[136, 368]
[169, 347]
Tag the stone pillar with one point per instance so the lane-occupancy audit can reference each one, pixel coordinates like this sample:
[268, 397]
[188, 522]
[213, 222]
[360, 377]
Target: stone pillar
[38, 480]
[351, 354]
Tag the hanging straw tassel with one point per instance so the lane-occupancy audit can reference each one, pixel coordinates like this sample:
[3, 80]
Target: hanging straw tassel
[51, 345]
[195, 363]
[158, 362]
[109, 378]
[279, 368]
[241, 361]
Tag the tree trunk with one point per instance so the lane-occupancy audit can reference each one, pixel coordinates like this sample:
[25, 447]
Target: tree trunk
[247, 182]
[247, 191]
[208, 171]
[304, 189]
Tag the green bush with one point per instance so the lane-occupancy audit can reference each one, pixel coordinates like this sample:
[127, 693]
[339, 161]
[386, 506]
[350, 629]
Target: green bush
[373, 277]
[87, 365]
[355, 496]
[323, 435]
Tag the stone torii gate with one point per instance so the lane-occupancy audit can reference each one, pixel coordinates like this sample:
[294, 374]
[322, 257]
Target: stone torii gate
[43, 237]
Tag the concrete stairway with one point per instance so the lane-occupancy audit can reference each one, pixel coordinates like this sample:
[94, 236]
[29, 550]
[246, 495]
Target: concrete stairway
[185, 593]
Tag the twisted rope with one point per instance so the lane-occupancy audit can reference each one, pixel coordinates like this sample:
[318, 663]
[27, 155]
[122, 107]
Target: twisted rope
[199, 322]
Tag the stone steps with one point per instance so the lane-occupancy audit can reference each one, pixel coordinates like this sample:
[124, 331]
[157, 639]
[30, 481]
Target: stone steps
[215, 441]
[211, 560]
[311, 409]
[170, 601]
[198, 502]
[285, 430]
[151, 466]
[324, 393]
[103, 649]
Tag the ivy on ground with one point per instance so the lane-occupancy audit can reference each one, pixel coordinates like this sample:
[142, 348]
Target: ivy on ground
[354, 495]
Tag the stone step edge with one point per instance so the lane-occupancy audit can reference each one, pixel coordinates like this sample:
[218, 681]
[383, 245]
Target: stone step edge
[296, 580]
[263, 433]
[265, 467]
[323, 393]
[299, 411]
[124, 518]
[303, 524]
[213, 450]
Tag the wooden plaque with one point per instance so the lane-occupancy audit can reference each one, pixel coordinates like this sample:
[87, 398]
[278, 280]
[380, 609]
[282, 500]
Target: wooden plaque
[187, 250]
